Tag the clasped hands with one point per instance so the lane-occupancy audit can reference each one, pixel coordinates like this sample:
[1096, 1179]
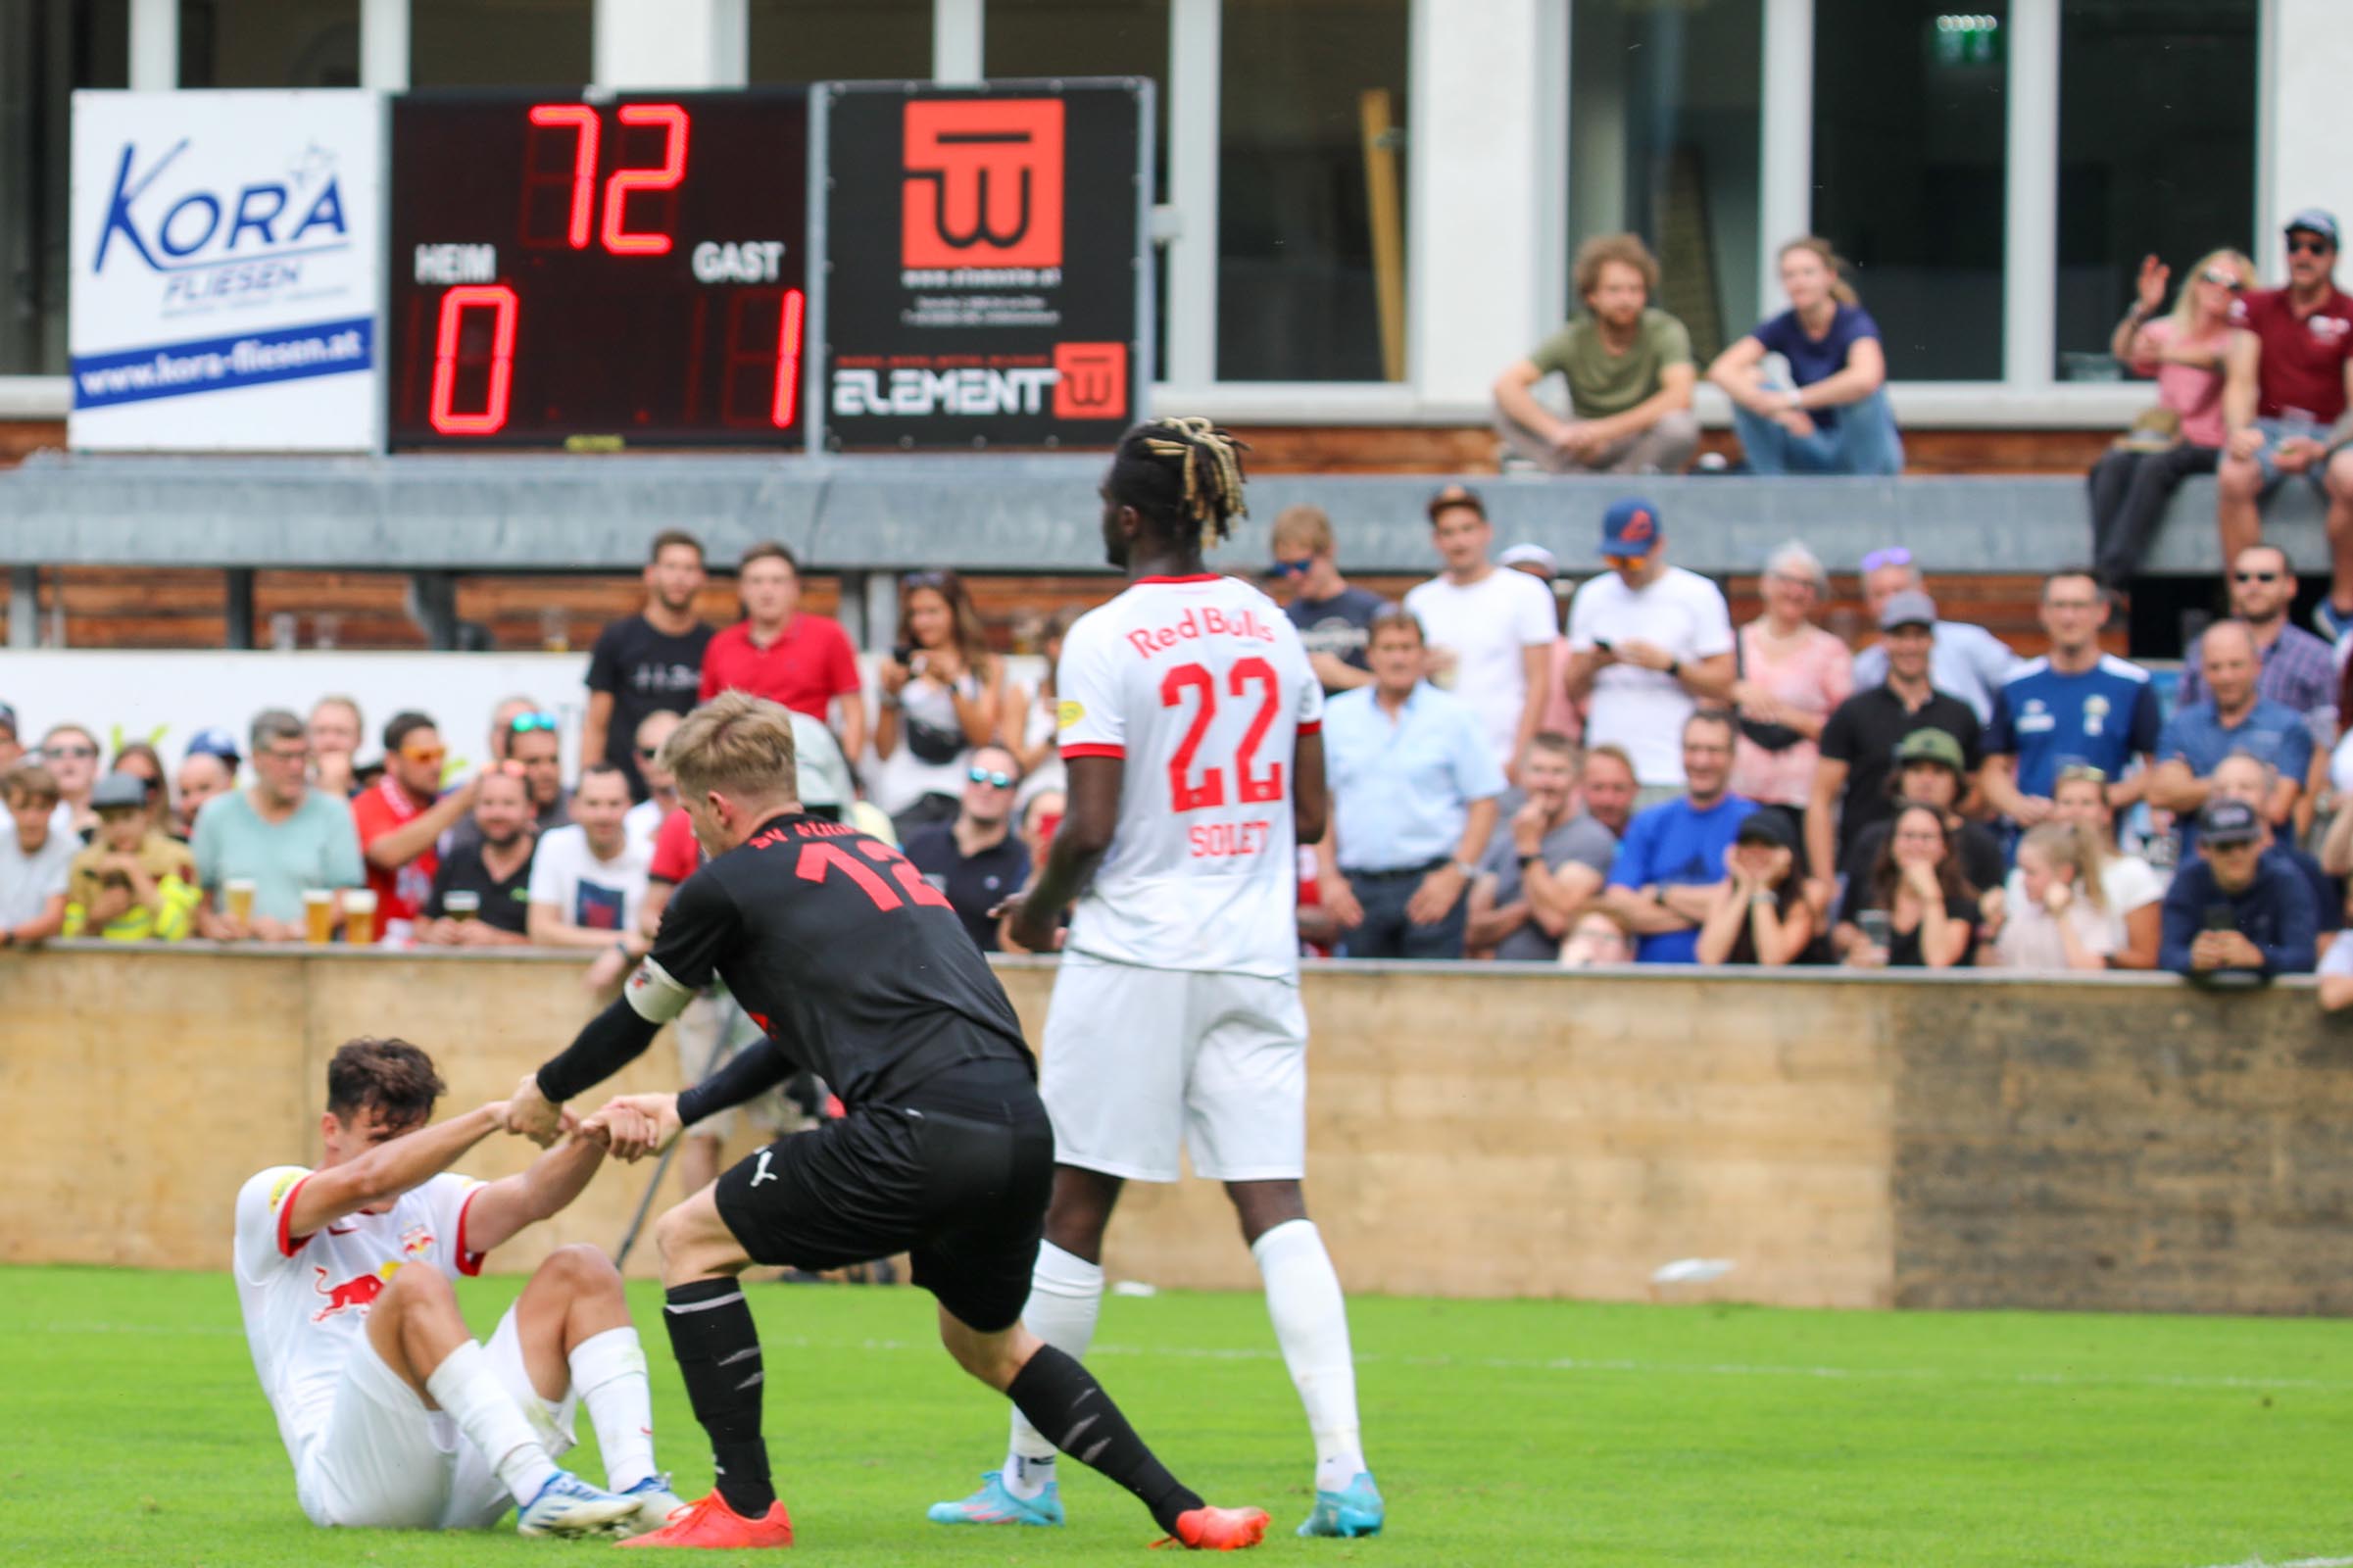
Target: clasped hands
[629, 1126]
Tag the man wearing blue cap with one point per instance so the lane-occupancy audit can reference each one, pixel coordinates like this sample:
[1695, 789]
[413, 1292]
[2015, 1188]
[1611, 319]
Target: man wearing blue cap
[1649, 642]
[2284, 397]
[2237, 914]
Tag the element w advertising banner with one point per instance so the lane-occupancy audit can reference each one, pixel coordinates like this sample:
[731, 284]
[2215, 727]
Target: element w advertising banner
[226, 255]
[989, 279]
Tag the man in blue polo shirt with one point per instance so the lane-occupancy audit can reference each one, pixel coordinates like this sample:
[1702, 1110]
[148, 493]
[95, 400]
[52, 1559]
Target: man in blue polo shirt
[2232, 719]
[1414, 782]
[1663, 880]
[2072, 706]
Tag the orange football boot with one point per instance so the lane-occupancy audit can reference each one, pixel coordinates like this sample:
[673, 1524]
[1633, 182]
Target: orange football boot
[712, 1523]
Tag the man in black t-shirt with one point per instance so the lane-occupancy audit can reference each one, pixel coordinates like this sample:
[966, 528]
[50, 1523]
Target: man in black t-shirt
[857, 968]
[493, 866]
[1335, 620]
[975, 859]
[652, 661]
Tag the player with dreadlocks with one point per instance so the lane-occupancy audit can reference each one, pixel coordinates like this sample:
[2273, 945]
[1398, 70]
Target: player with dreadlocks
[1189, 720]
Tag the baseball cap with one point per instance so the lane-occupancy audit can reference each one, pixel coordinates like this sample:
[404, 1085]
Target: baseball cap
[1930, 745]
[2229, 822]
[120, 790]
[1455, 494]
[214, 742]
[1530, 556]
[1631, 527]
[1910, 608]
[2314, 221]
[1765, 827]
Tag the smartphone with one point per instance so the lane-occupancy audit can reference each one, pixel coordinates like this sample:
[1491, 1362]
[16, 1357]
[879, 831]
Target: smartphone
[2220, 919]
[904, 655]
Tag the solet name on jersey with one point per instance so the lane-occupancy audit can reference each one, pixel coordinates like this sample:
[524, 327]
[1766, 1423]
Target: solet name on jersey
[1226, 841]
[1195, 624]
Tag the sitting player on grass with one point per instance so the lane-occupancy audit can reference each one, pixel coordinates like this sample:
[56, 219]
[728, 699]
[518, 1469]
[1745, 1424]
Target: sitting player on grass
[342, 1276]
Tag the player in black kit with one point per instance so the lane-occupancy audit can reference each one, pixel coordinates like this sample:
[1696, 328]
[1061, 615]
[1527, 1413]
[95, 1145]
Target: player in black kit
[859, 969]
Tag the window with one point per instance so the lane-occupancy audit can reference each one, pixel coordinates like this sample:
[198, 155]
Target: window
[2156, 153]
[270, 43]
[1664, 141]
[839, 41]
[1910, 132]
[1304, 91]
[47, 49]
[500, 43]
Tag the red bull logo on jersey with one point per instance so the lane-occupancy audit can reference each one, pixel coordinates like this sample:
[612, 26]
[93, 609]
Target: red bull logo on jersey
[1195, 624]
[353, 1295]
[416, 1241]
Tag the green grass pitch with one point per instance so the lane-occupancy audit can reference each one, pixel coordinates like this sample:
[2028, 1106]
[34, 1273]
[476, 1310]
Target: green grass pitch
[1503, 1432]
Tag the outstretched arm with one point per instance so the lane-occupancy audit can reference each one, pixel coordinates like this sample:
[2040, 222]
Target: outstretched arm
[387, 1170]
[504, 1207]
[1079, 846]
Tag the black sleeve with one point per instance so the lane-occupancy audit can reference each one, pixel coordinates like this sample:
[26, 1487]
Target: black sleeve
[613, 1039]
[762, 1066]
[697, 925]
[605, 660]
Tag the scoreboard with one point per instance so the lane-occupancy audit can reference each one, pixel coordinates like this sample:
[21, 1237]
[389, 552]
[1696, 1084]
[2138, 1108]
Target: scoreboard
[623, 269]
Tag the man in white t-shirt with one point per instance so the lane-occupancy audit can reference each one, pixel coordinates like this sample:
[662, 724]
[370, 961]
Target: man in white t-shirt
[35, 858]
[1189, 725]
[394, 1416]
[588, 879]
[1490, 629]
[1649, 643]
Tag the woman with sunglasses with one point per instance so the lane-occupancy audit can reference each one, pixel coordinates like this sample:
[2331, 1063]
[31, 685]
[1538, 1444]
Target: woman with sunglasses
[942, 691]
[2183, 434]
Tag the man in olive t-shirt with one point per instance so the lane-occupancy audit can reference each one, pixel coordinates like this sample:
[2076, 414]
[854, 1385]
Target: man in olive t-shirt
[1628, 369]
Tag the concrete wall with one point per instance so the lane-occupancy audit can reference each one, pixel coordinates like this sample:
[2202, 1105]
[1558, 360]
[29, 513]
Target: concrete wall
[2119, 1144]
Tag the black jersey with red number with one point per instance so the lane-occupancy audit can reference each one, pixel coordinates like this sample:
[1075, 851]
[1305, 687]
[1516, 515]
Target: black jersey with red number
[835, 946]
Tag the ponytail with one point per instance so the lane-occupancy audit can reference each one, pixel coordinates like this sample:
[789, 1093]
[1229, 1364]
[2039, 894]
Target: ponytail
[1839, 269]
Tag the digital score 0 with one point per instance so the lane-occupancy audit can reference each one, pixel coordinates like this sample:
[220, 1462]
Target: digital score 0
[621, 270]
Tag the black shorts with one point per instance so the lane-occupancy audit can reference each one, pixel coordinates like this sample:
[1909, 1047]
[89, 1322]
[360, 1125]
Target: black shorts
[964, 1194]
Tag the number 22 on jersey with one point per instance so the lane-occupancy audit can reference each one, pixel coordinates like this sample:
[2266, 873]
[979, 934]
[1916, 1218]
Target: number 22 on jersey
[1194, 684]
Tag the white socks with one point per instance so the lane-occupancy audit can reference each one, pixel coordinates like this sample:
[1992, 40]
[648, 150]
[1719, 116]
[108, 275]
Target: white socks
[492, 1422]
[609, 1370]
[1311, 1323]
[1065, 1293]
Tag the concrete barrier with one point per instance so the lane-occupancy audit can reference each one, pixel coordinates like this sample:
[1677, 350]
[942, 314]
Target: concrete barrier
[2115, 1143]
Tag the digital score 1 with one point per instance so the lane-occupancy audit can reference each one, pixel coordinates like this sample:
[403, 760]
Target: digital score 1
[617, 270]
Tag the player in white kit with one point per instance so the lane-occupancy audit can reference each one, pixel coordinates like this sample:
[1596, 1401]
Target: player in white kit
[394, 1417]
[1189, 720]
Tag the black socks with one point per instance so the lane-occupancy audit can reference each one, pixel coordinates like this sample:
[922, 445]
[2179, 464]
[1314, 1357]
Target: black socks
[1068, 1407]
[718, 1348]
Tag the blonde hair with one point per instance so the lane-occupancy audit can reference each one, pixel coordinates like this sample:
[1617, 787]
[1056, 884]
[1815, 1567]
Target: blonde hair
[1603, 249]
[1840, 289]
[2068, 844]
[1306, 525]
[736, 744]
[2186, 299]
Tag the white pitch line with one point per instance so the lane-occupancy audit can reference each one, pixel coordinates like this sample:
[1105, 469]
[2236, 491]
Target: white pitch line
[2300, 1562]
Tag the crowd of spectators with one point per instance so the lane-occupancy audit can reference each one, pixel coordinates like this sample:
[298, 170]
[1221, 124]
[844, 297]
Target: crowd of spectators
[1519, 773]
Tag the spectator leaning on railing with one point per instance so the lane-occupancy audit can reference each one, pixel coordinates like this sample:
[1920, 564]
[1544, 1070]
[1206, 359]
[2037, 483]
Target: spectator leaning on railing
[1915, 908]
[2249, 780]
[1542, 865]
[2284, 402]
[36, 860]
[1663, 882]
[1835, 418]
[131, 883]
[2059, 918]
[2130, 888]
[2236, 913]
[481, 893]
[1628, 369]
[1760, 914]
[1414, 786]
[2183, 434]
[280, 834]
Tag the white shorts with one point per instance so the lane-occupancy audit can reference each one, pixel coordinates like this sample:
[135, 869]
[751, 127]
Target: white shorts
[1137, 1060]
[387, 1461]
[714, 1019]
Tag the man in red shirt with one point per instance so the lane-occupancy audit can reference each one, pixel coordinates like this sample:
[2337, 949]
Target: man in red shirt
[803, 661]
[401, 818]
[2289, 372]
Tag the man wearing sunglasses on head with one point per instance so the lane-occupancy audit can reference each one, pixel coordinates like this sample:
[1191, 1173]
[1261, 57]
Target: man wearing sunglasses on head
[977, 859]
[401, 818]
[2285, 404]
[531, 746]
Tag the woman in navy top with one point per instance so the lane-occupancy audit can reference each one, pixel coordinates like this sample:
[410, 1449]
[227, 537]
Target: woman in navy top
[1835, 419]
